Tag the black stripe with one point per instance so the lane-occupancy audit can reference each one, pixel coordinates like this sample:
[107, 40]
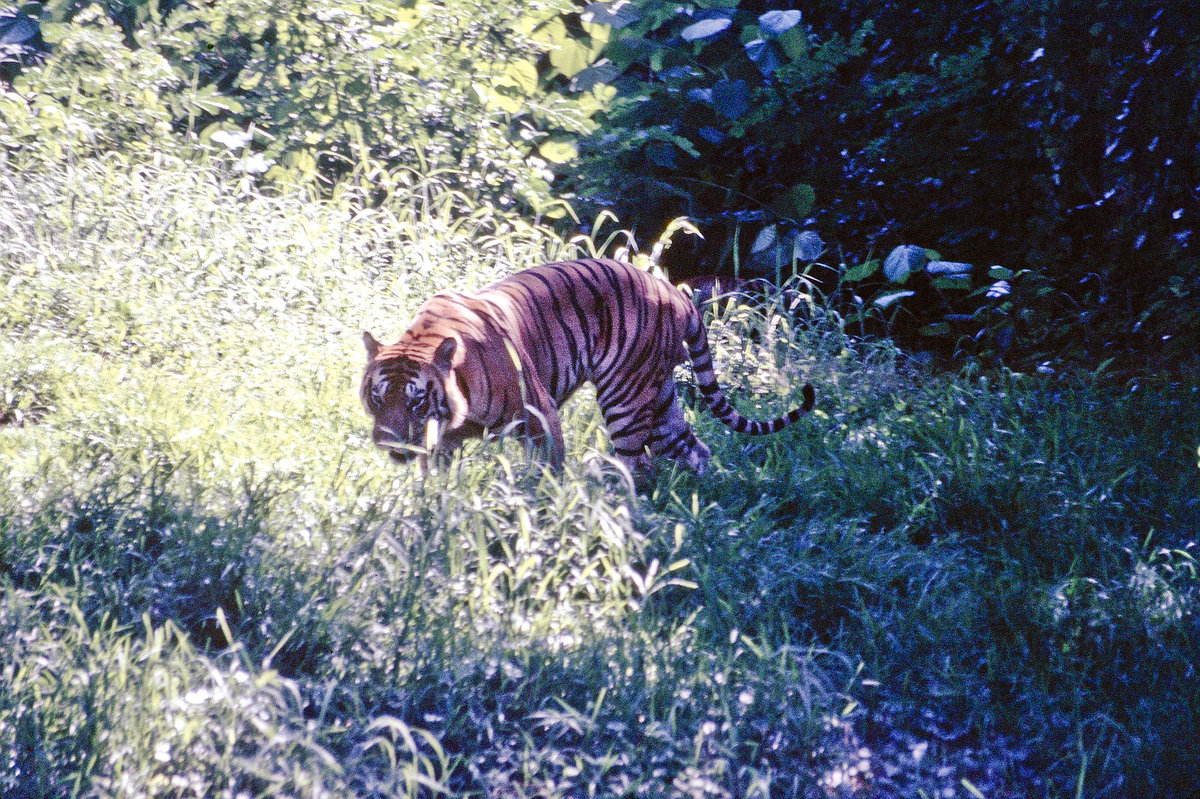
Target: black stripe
[525, 297]
[565, 378]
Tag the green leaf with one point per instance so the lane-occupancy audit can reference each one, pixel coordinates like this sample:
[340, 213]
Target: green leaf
[588, 79]
[795, 203]
[558, 149]
[552, 34]
[764, 240]
[705, 29]
[731, 98]
[763, 54]
[863, 271]
[661, 154]
[686, 145]
[208, 101]
[884, 300]
[573, 56]
[808, 246]
[774, 23]
[521, 74]
[617, 14]
[794, 43]
[301, 160]
[903, 261]
[507, 103]
[225, 135]
[948, 269]
[248, 80]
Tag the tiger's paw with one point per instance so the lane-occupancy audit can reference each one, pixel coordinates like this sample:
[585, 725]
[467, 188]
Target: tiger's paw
[697, 458]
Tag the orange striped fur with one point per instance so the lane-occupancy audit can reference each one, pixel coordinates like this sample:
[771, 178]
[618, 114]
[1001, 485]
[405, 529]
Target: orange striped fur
[511, 353]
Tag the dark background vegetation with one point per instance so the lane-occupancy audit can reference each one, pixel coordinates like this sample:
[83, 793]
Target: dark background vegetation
[1055, 137]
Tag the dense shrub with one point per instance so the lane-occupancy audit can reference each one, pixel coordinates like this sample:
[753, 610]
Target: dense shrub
[1057, 137]
[317, 94]
[94, 95]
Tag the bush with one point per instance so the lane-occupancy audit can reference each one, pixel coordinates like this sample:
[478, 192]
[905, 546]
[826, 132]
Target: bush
[1058, 139]
[93, 96]
[320, 94]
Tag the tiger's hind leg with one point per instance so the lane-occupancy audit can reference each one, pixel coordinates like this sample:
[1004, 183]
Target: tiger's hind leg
[673, 437]
[630, 423]
[653, 428]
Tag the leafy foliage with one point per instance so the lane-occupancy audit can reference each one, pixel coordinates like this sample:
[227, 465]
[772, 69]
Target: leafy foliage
[379, 84]
[1052, 139]
[21, 42]
[705, 88]
[93, 96]
[353, 93]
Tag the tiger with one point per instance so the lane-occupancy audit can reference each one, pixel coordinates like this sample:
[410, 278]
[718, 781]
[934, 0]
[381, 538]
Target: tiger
[507, 356]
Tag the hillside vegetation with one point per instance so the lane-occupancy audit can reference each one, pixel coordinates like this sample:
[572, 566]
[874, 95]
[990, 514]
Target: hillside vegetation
[968, 582]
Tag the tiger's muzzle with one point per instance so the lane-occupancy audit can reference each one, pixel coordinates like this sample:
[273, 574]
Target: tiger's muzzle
[401, 449]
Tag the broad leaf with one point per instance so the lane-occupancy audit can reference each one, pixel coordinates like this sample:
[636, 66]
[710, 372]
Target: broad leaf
[521, 74]
[229, 138]
[731, 98]
[764, 240]
[1001, 288]
[884, 300]
[794, 43]
[853, 274]
[773, 23]
[795, 203]
[808, 246]
[661, 154]
[948, 269]
[903, 261]
[951, 275]
[952, 282]
[573, 56]
[618, 14]
[558, 149]
[601, 73]
[705, 29]
[763, 54]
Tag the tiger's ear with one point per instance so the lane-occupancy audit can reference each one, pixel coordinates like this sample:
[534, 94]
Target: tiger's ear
[443, 358]
[371, 344]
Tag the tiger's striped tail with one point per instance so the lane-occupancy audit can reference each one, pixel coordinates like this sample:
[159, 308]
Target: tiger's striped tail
[706, 381]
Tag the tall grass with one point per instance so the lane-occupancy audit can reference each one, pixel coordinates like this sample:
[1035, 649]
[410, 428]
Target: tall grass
[213, 584]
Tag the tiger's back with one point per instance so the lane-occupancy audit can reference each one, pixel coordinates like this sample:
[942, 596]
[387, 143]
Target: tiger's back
[514, 351]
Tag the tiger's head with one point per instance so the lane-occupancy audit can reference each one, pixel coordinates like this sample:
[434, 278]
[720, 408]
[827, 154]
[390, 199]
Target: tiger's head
[411, 401]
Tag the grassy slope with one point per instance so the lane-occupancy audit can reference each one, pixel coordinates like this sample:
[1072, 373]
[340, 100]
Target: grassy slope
[212, 583]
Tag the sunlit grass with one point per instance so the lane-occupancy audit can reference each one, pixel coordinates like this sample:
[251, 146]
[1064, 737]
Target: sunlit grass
[213, 584]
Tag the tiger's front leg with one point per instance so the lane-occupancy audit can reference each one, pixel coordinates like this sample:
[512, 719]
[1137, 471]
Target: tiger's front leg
[539, 421]
[543, 428]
